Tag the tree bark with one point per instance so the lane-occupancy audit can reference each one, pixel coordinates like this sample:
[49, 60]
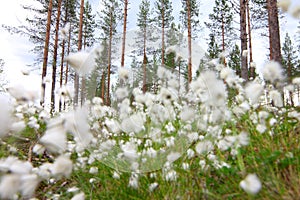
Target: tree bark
[244, 46]
[144, 62]
[109, 59]
[76, 81]
[163, 34]
[252, 69]
[274, 33]
[124, 33]
[189, 41]
[46, 50]
[54, 63]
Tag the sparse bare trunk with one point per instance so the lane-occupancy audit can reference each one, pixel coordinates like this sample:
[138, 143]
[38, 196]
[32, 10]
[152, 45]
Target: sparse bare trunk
[189, 42]
[244, 46]
[54, 63]
[252, 69]
[124, 33]
[46, 50]
[274, 34]
[144, 62]
[163, 34]
[109, 59]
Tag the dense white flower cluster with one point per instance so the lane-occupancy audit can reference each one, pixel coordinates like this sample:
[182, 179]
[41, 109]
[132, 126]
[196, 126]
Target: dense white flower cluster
[144, 132]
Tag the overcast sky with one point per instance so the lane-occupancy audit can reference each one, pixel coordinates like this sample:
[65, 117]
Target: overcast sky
[15, 50]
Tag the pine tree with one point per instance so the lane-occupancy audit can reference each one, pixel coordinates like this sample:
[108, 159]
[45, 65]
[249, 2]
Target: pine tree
[54, 62]
[213, 48]
[46, 50]
[235, 60]
[190, 19]
[289, 58]
[89, 26]
[109, 18]
[221, 23]
[164, 18]
[290, 62]
[144, 22]
[80, 36]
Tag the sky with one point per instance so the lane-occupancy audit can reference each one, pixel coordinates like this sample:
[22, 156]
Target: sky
[15, 49]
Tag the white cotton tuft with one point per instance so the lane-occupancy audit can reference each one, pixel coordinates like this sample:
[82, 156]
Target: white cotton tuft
[5, 116]
[295, 12]
[9, 186]
[123, 73]
[254, 91]
[251, 184]
[245, 53]
[62, 166]
[273, 72]
[79, 196]
[134, 181]
[284, 5]
[276, 98]
[173, 156]
[83, 62]
[65, 31]
[29, 183]
[55, 138]
[204, 146]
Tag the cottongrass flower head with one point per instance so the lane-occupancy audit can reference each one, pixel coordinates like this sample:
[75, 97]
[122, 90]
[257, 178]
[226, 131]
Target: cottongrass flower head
[295, 12]
[251, 184]
[284, 5]
[83, 62]
[273, 72]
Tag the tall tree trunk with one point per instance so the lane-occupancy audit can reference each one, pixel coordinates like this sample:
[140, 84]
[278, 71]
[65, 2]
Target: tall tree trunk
[102, 95]
[62, 57]
[188, 4]
[83, 79]
[67, 63]
[54, 63]
[46, 50]
[144, 62]
[274, 33]
[109, 59]
[244, 46]
[76, 81]
[162, 34]
[252, 69]
[124, 33]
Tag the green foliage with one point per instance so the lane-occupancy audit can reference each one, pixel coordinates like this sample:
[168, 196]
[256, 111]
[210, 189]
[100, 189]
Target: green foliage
[164, 10]
[194, 8]
[213, 48]
[222, 20]
[289, 58]
[235, 60]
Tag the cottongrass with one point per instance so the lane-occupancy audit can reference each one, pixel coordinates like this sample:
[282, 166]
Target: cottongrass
[163, 132]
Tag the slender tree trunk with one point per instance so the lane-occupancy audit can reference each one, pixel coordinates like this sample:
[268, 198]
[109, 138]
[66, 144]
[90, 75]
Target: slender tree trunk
[274, 33]
[109, 59]
[162, 34]
[67, 63]
[83, 79]
[252, 69]
[76, 81]
[244, 46]
[62, 58]
[124, 33]
[189, 41]
[144, 62]
[54, 63]
[103, 87]
[46, 50]
[223, 33]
